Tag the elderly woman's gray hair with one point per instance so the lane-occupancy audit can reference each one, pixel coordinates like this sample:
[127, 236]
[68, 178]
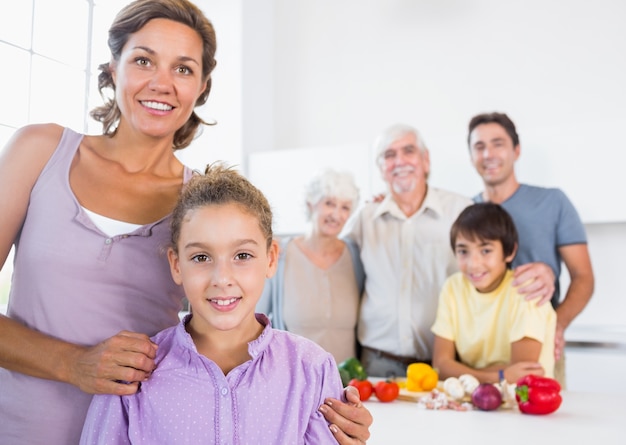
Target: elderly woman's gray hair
[386, 138]
[331, 184]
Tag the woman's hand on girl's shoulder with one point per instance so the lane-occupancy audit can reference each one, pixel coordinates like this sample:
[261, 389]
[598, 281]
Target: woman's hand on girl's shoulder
[115, 366]
[350, 421]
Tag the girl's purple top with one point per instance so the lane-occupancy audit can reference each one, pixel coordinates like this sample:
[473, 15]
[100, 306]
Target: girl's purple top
[73, 282]
[271, 399]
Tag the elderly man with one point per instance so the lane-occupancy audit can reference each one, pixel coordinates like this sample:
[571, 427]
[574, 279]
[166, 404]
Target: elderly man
[550, 230]
[404, 242]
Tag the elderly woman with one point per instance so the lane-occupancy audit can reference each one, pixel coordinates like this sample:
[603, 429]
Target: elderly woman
[316, 290]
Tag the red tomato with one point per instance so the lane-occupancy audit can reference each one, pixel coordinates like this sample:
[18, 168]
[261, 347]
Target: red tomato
[365, 388]
[386, 391]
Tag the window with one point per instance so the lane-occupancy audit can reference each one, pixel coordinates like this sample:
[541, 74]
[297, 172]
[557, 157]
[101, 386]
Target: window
[50, 68]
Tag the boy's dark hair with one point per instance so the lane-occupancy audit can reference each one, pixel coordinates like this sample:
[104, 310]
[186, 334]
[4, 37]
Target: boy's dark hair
[486, 222]
[494, 118]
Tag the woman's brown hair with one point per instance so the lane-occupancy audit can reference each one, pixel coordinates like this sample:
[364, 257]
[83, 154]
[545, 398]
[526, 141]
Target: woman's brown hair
[130, 20]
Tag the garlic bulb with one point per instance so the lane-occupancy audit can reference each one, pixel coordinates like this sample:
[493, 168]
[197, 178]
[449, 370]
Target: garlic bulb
[469, 382]
[453, 387]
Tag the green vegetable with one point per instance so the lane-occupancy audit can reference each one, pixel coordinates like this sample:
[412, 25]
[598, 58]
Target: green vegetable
[345, 377]
[353, 368]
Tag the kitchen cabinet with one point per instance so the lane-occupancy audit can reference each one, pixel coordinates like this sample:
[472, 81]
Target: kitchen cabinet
[596, 368]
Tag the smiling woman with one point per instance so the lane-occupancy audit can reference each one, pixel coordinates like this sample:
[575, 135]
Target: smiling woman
[173, 77]
[86, 297]
[317, 288]
[65, 264]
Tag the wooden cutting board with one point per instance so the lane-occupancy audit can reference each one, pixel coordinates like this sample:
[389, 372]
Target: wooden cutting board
[410, 396]
[406, 395]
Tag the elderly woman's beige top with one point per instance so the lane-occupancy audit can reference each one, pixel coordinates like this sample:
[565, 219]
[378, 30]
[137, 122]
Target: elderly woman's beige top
[322, 304]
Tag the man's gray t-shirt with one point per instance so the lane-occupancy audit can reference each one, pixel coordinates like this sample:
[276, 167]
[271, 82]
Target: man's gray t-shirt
[545, 220]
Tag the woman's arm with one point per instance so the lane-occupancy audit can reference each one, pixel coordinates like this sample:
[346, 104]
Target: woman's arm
[524, 356]
[125, 357]
[21, 162]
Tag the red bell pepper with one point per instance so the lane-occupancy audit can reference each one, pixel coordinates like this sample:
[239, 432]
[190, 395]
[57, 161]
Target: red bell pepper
[538, 395]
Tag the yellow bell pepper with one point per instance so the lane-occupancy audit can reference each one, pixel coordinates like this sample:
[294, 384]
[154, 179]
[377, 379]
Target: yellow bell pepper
[421, 377]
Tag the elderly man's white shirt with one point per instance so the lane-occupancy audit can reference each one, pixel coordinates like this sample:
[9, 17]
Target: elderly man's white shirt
[406, 261]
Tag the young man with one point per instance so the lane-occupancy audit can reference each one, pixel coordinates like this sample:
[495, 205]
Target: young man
[550, 230]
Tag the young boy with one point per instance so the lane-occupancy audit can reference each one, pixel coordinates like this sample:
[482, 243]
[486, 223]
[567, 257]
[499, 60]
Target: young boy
[483, 326]
[223, 375]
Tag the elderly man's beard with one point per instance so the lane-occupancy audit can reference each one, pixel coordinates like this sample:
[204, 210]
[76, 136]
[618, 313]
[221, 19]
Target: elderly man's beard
[405, 186]
[404, 183]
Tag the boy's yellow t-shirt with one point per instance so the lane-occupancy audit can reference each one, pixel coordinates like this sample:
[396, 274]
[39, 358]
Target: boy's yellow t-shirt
[483, 326]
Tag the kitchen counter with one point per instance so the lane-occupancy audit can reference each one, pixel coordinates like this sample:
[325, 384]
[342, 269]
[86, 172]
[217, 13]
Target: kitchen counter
[582, 417]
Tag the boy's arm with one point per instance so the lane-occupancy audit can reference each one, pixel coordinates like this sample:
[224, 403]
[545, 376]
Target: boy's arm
[444, 360]
[525, 353]
[106, 422]
[524, 360]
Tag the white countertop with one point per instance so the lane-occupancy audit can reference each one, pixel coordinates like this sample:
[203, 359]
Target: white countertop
[582, 418]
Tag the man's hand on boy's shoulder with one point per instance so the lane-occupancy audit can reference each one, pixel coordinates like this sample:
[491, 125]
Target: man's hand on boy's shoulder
[535, 280]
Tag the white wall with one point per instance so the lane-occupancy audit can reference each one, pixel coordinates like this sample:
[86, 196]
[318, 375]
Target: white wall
[223, 141]
[607, 307]
[345, 70]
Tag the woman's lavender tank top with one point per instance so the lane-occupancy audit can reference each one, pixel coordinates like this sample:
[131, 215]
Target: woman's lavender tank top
[75, 283]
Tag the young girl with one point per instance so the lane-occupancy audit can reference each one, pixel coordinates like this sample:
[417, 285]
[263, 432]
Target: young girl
[482, 319]
[223, 375]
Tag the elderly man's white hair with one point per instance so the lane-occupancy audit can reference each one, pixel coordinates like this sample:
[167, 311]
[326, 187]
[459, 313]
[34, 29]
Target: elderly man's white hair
[384, 140]
[331, 184]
